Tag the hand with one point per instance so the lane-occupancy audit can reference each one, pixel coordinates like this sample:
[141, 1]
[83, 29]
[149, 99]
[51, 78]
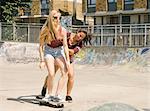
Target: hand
[71, 52]
[42, 64]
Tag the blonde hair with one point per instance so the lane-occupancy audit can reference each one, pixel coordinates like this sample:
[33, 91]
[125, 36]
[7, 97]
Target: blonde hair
[49, 23]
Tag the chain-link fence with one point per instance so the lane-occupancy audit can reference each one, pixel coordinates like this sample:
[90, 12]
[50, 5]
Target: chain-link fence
[20, 32]
[133, 35]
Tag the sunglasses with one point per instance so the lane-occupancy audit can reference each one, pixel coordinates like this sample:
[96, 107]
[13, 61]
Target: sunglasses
[56, 17]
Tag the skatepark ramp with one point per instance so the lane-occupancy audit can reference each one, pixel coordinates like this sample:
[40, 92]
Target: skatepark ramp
[134, 57]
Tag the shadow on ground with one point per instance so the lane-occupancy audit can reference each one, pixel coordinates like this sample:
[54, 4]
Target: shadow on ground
[28, 99]
[32, 99]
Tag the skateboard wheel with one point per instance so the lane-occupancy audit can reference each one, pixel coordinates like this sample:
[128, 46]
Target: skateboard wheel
[60, 105]
[42, 103]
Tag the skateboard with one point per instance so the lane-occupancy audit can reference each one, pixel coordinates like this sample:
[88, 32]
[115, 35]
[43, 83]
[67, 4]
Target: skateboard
[48, 103]
[51, 104]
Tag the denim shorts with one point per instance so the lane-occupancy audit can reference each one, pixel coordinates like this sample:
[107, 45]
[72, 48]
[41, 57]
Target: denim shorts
[55, 52]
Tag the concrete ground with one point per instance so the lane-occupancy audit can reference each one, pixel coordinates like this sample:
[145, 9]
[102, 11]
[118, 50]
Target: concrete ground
[94, 86]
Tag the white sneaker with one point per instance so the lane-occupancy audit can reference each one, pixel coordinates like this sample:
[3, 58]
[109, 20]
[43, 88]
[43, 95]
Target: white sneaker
[48, 98]
[58, 98]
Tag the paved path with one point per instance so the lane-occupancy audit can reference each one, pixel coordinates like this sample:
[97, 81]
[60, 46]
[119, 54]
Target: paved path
[94, 86]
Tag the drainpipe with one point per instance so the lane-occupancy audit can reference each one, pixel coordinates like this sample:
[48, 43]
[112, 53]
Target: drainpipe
[0, 31]
[84, 18]
[74, 10]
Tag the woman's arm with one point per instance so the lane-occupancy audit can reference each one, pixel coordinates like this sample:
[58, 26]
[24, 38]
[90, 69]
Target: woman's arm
[71, 52]
[41, 51]
[65, 45]
[42, 62]
[41, 47]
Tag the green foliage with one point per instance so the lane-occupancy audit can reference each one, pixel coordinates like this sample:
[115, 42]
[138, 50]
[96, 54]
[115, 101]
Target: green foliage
[7, 33]
[9, 9]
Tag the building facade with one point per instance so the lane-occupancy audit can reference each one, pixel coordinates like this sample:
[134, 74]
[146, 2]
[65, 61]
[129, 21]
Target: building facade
[117, 11]
[39, 10]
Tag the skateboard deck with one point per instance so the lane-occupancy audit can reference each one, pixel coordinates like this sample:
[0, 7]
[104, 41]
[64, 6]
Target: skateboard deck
[49, 103]
[41, 97]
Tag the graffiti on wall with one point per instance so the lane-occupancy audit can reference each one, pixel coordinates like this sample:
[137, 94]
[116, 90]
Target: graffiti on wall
[114, 56]
[21, 52]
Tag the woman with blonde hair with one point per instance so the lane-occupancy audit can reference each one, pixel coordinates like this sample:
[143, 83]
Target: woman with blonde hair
[50, 31]
[75, 43]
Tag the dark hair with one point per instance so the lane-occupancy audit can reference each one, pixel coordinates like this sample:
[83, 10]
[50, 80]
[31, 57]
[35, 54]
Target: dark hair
[87, 38]
[82, 30]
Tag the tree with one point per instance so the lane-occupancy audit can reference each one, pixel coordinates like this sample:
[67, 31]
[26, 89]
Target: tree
[9, 9]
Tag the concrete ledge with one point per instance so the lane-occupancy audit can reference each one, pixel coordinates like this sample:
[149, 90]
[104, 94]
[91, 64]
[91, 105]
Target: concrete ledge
[19, 52]
[28, 52]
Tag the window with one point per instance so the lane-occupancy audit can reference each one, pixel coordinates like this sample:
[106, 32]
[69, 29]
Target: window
[91, 6]
[148, 4]
[128, 4]
[44, 7]
[125, 19]
[114, 20]
[92, 2]
[112, 5]
[27, 10]
[148, 18]
[110, 1]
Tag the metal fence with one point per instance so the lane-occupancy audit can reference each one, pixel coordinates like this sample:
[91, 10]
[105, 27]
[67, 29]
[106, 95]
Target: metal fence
[131, 35]
[20, 32]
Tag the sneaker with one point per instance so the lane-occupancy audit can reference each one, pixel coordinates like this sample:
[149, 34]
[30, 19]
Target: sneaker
[43, 92]
[48, 98]
[39, 97]
[68, 98]
[58, 98]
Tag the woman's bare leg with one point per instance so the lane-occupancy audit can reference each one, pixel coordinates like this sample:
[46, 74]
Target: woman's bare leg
[70, 81]
[50, 61]
[62, 65]
[45, 82]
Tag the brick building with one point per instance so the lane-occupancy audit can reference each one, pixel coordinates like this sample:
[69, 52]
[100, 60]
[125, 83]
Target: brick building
[117, 11]
[39, 10]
